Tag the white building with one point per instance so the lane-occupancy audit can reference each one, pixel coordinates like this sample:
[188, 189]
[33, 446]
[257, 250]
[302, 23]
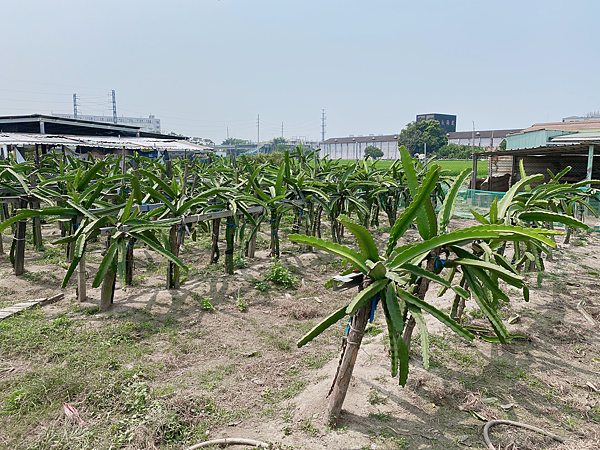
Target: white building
[149, 123]
[353, 147]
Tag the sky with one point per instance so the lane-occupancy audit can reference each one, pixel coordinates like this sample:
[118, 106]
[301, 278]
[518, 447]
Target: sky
[205, 66]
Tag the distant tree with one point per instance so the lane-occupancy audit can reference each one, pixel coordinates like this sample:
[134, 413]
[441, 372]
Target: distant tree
[202, 141]
[373, 152]
[454, 151]
[503, 144]
[234, 141]
[416, 134]
[279, 144]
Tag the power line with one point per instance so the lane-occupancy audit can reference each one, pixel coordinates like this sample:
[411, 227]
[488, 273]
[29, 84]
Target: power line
[52, 84]
[28, 101]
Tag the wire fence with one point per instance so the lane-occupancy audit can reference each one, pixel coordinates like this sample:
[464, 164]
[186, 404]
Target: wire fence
[480, 201]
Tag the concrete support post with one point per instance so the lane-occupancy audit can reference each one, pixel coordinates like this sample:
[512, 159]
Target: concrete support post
[590, 164]
[81, 280]
[513, 169]
[474, 174]
[20, 242]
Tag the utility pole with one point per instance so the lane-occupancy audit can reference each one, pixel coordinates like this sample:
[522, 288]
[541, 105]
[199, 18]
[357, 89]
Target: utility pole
[75, 106]
[323, 125]
[473, 140]
[281, 129]
[424, 152]
[227, 133]
[257, 132]
[114, 105]
[474, 160]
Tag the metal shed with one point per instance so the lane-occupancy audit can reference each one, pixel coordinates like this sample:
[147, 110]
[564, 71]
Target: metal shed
[579, 155]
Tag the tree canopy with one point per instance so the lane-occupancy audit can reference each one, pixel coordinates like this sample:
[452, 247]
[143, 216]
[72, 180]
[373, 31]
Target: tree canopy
[416, 134]
[373, 152]
[234, 141]
[279, 144]
[454, 151]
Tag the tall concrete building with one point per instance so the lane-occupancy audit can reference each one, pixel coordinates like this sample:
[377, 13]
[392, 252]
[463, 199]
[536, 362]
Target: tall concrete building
[447, 121]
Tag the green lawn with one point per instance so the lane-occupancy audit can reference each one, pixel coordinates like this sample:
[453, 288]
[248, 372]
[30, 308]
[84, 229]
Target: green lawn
[452, 167]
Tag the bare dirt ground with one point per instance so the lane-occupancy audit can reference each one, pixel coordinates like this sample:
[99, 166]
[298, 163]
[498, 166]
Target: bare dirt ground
[164, 370]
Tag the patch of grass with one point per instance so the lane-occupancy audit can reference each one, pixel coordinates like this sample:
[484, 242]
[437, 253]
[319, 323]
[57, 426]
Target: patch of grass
[373, 330]
[278, 274]
[385, 436]
[241, 304]
[476, 314]
[139, 280]
[7, 293]
[41, 277]
[239, 261]
[205, 303]
[260, 285]
[51, 255]
[309, 427]
[317, 361]
[210, 379]
[376, 399]
[277, 340]
[384, 417]
[87, 310]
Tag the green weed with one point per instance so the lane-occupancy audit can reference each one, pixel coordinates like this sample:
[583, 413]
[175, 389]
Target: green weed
[278, 274]
[376, 399]
[241, 304]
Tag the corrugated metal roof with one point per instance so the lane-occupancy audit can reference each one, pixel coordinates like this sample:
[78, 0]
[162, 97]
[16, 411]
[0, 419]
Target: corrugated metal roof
[577, 137]
[565, 126]
[485, 134]
[546, 149]
[129, 143]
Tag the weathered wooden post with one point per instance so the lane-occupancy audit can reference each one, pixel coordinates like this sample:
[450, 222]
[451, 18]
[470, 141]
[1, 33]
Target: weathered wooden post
[229, 238]
[214, 251]
[274, 234]
[81, 280]
[251, 249]
[37, 224]
[169, 169]
[2, 219]
[344, 374]
[129, 262]
[107, 293]
[173, 269]
[20, 241]
[81, 277]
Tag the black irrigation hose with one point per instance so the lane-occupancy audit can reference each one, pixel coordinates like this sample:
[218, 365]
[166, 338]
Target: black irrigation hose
[230, 441]
[491, 423]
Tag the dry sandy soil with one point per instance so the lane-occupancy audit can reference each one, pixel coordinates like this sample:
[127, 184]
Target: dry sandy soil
[233, 373]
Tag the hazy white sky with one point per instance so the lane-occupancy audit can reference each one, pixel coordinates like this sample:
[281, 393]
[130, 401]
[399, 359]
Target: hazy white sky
[202, 66]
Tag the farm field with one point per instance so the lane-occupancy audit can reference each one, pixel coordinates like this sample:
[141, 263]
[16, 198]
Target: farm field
[165, 369]
[450, 167]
